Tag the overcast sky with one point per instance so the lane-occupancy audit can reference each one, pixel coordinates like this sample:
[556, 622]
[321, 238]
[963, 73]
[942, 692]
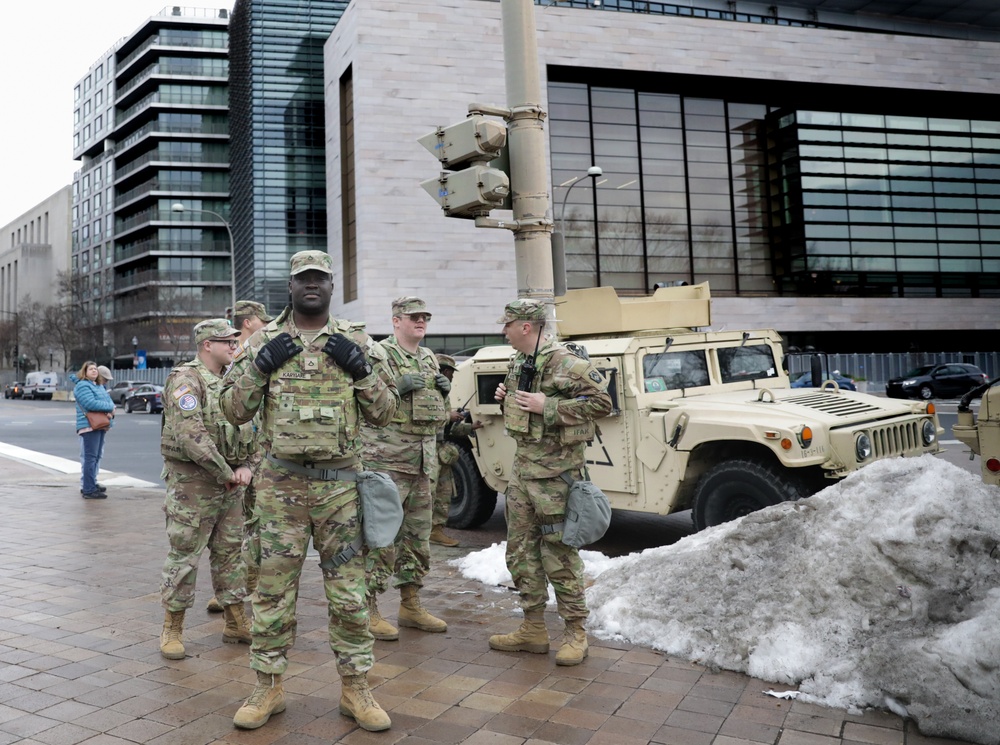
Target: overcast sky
[45, 48]
[880, 591]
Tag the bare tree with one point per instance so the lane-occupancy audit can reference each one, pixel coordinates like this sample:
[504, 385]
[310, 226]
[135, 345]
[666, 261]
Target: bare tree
[34, 341]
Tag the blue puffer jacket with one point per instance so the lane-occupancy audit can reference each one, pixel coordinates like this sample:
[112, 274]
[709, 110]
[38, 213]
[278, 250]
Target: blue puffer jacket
[90, 397]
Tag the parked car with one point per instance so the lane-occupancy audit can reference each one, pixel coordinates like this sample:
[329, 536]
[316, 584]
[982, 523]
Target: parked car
[122, 389]
[936, 381]
[41, 384]
[805, 381]
[147, 398]
[13, 390]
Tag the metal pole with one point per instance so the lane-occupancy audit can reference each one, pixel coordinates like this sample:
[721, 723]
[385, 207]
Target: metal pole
[526, 143]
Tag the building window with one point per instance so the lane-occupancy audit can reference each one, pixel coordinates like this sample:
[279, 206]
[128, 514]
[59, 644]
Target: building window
[349, 231]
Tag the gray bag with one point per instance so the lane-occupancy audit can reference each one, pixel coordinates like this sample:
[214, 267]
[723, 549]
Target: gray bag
[588, 514]
[381, 508]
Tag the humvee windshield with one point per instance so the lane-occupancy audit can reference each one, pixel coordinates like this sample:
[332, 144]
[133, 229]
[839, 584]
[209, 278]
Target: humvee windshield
[674, 370]
[751, 362]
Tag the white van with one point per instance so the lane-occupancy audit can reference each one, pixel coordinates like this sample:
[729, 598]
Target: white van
[40, 384]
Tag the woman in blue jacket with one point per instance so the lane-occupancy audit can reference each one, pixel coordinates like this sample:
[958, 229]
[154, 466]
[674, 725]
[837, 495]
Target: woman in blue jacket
[90, 395]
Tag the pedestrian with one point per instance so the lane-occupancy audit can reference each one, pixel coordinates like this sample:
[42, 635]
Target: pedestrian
[447, 453]
[314, 379]
[91, 397]
[406, 449]
[207, 462]
[550, 398]
[249, 317]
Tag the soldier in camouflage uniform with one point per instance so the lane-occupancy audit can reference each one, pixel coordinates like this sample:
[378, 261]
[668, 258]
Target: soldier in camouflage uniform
[406, 450]
[248, 319]
[447, 451]
[207, 462]
[551, 420]
[314, 379]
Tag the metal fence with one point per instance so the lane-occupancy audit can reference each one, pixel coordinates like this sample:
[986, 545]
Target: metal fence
[877, 369]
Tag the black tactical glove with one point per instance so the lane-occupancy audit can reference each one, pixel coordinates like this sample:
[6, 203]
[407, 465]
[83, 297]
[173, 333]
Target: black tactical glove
[409, 382]
[348, 356]
[276, 353]
[442, 383]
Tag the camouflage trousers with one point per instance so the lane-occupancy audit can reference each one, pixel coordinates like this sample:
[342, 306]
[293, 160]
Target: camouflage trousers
[444, 490]
[409, 558]
[534, 558]
[290, 509]
[202, 514]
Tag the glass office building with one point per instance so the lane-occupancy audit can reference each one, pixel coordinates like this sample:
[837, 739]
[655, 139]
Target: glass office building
[278, 139]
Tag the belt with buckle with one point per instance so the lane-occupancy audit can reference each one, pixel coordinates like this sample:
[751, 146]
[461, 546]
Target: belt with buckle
[323, 474]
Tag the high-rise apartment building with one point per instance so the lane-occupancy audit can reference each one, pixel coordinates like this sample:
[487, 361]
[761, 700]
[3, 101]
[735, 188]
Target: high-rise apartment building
[151, 131]
[278, 139]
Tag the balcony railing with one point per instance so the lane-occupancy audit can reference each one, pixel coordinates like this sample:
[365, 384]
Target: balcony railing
[202, 43]
[143, 248]
[206, 128]
[192, 69]
[156, 155]
[199, 277]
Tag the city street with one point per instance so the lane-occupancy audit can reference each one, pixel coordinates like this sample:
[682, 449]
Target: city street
[133, 449]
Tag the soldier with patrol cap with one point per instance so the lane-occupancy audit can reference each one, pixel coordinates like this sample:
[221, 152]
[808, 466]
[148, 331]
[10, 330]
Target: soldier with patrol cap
[248, 318]
[406, 450]
[551, 396]
[448, 453]
[314, 379]
[206, 464]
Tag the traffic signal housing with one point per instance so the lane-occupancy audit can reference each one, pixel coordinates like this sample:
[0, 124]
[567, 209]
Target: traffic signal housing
[470, 185]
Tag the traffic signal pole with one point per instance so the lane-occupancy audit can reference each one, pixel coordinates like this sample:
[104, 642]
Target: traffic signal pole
[526, 145]
[473, 179]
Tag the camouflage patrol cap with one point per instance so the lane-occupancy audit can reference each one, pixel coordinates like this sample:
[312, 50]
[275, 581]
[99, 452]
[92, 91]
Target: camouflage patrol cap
[214, 328]
[524, 309]
[250, 308]
[405, 306]
[446, 360]
[303, 261]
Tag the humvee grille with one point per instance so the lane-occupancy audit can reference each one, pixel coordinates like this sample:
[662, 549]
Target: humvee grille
[895, 439]
[835, 405]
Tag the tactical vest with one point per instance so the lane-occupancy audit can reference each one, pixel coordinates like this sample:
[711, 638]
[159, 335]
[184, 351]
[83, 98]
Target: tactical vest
[523, 426]
[310, 410]
[423, 411]
[235, 444]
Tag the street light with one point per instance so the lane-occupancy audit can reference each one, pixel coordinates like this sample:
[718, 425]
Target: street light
[558, 244]
[179, 207]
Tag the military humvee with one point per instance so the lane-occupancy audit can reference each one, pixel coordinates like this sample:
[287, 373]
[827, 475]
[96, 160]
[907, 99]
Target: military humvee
[982, 434]
[702, 420]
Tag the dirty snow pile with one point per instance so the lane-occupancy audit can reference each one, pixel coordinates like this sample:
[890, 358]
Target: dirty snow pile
[881, 591]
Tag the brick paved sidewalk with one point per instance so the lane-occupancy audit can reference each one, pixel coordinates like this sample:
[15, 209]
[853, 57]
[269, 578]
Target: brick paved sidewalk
[79, 657]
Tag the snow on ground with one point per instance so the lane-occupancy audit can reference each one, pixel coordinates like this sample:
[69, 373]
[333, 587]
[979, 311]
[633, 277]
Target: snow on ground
[881, 591]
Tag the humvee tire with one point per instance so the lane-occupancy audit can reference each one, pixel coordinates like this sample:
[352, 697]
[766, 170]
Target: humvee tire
[738, 487]
[474, 501]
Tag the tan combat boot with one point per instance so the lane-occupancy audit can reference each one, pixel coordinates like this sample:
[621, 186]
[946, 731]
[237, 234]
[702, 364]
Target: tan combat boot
[414, 616]
[171, 645]
[214, 606]
[380, 628]
[357, 702]
[574, 644]
[237, 626]
[267, 698]
[441, 538]
[531, 636]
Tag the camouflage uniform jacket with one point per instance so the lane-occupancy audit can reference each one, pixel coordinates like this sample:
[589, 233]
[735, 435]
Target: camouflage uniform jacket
[194, 430]
[575, 395]
[310, 408]
[407, 444]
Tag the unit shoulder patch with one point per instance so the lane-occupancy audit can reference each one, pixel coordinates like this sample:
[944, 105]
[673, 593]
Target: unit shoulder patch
[188, 402]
